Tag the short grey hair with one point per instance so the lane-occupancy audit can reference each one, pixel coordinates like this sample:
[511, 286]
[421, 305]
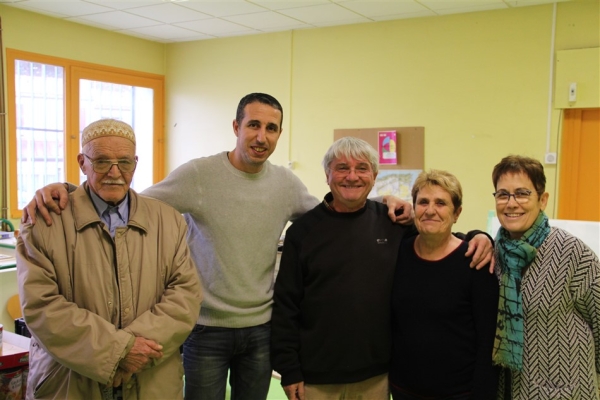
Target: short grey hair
[351, 147]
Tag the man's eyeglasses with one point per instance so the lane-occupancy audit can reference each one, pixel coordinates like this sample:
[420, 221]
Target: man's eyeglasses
[344, 169]
[521, 196]
[103, 165]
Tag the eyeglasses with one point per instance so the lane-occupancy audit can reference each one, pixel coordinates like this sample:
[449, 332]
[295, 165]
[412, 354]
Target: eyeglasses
[521, 196]
[344, 169]
[103, 165]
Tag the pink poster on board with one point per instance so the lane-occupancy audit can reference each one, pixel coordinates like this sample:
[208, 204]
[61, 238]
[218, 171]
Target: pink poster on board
[387, 147]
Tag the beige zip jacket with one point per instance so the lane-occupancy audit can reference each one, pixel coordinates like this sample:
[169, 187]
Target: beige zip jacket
[86, 296]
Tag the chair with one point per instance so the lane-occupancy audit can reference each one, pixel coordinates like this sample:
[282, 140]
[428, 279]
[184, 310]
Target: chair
[13, 305]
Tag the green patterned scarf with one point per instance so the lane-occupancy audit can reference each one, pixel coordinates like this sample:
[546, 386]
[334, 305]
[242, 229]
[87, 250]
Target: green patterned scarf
[512, 257]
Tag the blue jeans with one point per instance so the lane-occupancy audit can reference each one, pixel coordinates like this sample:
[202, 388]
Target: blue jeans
[210, 352]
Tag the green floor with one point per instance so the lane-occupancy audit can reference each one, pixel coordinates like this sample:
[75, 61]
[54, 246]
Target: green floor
[275, 392]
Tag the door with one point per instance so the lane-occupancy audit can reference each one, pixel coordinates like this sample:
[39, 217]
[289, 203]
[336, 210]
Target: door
[579, 184]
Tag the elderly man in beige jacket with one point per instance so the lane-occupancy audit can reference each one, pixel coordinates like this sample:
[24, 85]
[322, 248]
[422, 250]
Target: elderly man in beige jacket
[108, 291]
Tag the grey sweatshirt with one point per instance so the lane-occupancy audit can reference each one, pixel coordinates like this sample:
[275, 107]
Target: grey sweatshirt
[234, 221]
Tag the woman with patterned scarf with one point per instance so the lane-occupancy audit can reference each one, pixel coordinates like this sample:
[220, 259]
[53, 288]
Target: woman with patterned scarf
[548, 331]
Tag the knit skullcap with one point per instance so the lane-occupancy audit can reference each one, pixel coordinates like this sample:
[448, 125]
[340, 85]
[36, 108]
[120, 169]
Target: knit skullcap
[107, 127]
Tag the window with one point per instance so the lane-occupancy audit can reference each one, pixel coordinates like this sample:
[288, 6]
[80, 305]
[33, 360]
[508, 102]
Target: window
[39, 106]
[51, 100]
[131, 104]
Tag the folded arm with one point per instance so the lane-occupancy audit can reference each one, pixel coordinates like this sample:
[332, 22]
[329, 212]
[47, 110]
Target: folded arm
[172, 318]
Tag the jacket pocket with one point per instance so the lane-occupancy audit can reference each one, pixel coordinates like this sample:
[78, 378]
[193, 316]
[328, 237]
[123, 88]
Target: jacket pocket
[48, 376]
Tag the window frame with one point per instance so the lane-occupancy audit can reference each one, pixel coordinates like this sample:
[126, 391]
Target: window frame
[73, 72]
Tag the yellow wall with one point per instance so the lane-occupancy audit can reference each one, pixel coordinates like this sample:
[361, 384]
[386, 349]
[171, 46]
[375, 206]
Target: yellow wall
[478, 88]
[579, 67]
[40, 34]
[8, 288]
[205, 81]
[478, 83]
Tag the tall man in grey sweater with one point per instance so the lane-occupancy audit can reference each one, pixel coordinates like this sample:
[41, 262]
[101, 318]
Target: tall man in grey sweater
[236, 205]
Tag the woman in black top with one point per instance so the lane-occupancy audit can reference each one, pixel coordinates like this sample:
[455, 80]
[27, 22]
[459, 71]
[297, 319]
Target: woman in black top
[443, 312]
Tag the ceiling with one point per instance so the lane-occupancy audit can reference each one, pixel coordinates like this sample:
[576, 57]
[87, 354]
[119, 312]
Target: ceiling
[170, 21]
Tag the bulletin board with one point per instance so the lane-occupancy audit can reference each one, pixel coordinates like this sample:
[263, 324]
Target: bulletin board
[410, 145]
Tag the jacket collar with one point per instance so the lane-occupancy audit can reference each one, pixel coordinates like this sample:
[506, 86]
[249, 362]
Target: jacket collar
[84, 212]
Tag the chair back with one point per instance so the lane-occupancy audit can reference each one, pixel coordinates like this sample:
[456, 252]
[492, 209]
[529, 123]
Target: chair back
[13, 306]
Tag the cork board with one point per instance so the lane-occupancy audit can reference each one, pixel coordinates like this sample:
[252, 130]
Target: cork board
[410, 146]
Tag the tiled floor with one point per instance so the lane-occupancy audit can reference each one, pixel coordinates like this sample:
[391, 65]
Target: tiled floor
[275, 392]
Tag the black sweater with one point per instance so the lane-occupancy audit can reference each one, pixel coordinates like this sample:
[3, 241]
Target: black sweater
[444, 321]
[331, 316]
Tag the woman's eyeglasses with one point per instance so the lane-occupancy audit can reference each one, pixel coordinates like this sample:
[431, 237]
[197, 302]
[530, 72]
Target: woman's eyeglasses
[521, 196]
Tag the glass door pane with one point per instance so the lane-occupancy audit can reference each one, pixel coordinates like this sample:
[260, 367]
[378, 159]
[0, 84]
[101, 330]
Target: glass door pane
[131, 104]
[40, 126]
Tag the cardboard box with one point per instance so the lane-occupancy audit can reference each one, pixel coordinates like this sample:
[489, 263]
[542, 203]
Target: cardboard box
[15, 350]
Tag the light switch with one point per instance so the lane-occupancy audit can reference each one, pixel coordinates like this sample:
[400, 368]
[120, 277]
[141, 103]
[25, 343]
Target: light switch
[573, 92]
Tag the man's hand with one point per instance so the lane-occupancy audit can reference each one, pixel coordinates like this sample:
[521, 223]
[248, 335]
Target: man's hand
[480, 247]
[399, 211]
[45, 201]
[140, 355]
[121, 377]
[295, 391]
